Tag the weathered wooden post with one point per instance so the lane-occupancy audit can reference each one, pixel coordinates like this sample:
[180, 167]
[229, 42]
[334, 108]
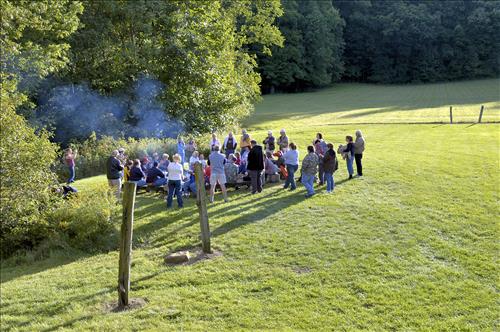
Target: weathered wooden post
[451, 114]
[201, 201]
[129, 189]
[481, 114]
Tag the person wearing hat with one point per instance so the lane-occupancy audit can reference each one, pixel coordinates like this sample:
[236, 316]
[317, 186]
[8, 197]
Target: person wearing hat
[122, 157]
[270, 142]
[283, 141]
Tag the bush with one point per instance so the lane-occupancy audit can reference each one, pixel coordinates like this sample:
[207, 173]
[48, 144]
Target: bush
[93, 153]
[25, 181]
[87, 221]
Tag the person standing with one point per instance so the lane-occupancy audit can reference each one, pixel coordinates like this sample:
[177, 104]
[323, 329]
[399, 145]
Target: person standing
[214, 142]
[291, 159]
[69, 160]
[245, 141]
[181, 149]
[122, 157]
[270, 142]
[114, 170]
[175, 173]
[283, 141]
[190, 148]
[309, 170]
[255, 166]
[217, 175]
[230, 144]
[347, 152]
[330, 164]
[359, 148]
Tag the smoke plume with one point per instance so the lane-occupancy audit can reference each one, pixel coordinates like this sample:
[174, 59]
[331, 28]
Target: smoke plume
[75, 111]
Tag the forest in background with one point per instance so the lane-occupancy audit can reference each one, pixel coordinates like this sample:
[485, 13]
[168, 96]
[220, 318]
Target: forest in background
[379, 41]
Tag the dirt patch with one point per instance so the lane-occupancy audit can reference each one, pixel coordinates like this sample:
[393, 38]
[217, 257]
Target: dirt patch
[134, 303]
[193, 256]
[301, 269]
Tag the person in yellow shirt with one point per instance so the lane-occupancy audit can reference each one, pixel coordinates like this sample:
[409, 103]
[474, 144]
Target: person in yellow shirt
[126, 170]
[245, 140]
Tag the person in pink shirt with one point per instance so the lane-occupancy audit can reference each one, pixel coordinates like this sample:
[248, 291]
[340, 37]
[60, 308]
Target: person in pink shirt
[69, 160]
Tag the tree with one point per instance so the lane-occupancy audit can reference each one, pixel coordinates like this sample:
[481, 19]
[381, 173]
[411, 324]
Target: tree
[420, 41]
[311, 56]
[33, 46]
[199, 50]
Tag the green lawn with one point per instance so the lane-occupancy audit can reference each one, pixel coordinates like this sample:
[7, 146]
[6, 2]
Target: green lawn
[369, 103]
[413, 245]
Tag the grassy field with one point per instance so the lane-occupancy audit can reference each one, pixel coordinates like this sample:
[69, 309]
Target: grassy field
[369, 103]
[413, 245]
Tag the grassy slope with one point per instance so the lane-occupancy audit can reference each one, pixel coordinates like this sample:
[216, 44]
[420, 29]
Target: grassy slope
[368, 103]
[412, 245]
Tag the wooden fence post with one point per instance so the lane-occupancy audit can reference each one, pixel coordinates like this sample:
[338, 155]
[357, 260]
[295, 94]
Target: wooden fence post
[201, 201]
[451, 114]
[481, 114]
[129, 189]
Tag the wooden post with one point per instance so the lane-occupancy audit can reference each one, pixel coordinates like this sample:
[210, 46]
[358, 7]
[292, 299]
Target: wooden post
[201, 201]
[481, 114]
[451, 114]
[129, 189]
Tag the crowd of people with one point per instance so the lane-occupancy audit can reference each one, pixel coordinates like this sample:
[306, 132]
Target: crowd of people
[236, 162]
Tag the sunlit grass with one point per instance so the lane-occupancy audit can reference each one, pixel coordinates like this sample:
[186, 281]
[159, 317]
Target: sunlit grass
[413, 245]
[368, 103]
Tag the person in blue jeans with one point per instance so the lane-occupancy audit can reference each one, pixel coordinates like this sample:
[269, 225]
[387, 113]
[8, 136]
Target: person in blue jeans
[69, 159]
[330, 164]
[309, 170]
[175, 174]
[181, 149]
[349, 155]
[291, 160]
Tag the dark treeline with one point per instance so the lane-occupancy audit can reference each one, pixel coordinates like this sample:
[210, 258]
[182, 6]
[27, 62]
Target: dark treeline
[383, 41]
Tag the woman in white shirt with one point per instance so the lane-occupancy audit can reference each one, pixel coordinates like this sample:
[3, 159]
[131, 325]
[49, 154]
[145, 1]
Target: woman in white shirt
[194, 159]
[214, 142]
[175, 174]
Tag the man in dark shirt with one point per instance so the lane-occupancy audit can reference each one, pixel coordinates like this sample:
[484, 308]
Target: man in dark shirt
[137, 175]
[114, 173]
[255, 166]
[155, 176]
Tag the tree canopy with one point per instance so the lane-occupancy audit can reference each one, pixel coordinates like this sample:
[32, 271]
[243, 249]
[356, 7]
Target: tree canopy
[199, 50]
[396, 41]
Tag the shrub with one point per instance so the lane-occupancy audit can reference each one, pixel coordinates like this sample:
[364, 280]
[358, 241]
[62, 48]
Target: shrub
[25, 180]
[88, 221]
[93, 152]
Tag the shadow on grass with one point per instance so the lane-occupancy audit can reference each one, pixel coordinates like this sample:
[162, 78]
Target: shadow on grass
[68, 324]
[12, 270]
[271, 207]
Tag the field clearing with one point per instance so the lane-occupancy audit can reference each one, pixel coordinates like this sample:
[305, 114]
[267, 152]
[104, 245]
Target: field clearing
[413, 245]
[368, 103]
